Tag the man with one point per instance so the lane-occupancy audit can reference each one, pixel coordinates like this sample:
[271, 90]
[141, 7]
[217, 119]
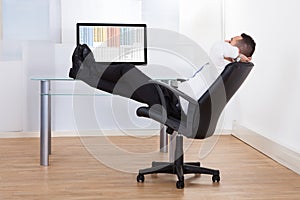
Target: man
[239, 48]
[128, 81]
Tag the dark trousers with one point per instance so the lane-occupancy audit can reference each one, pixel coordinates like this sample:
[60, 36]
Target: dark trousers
[128, 81]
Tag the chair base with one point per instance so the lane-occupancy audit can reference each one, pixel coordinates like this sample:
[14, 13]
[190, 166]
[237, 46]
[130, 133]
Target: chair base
[178, 167]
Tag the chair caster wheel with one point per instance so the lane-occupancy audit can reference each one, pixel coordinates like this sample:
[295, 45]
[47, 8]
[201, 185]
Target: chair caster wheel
[180, 184]
[140, 178]
[216, 178]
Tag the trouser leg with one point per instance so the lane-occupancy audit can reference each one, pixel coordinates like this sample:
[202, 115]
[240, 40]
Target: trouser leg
[128, 81]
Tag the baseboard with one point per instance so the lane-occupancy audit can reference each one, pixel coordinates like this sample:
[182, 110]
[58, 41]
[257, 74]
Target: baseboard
[85, 133]
[129, 132]
[275, 151]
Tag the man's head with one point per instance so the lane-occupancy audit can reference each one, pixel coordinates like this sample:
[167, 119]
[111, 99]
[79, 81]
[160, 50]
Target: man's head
[245, 43]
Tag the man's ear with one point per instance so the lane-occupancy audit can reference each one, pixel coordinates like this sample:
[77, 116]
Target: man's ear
[250, 58]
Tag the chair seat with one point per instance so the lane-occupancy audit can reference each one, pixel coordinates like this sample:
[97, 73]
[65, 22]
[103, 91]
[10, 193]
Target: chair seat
[156, 114]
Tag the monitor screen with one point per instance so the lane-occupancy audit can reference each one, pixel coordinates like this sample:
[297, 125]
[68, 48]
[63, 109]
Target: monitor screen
[115, 43]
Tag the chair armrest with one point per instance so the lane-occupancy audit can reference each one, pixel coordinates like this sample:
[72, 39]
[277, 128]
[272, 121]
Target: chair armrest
[186, 127]
[177, 92]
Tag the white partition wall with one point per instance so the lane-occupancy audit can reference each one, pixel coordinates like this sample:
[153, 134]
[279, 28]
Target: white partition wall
[11, 96]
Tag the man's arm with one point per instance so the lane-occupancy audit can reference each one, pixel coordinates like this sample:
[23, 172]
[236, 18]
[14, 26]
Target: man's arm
[242, 58]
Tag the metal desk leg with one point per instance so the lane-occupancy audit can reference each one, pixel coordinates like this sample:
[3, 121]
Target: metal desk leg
[49, 120]
[172, 147]
[172, 138]
[45, 129]
[167, 143]
[163, 146]
[163, 139]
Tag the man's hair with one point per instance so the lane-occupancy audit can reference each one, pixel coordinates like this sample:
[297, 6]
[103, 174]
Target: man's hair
[246, 45]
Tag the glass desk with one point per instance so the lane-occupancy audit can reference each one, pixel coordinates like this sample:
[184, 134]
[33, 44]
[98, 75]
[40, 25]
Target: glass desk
[45, 117]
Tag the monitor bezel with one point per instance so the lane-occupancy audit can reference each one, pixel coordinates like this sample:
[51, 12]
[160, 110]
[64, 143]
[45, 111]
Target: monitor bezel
[118, 24]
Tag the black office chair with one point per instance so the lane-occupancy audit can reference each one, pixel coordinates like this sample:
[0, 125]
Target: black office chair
[199, 123]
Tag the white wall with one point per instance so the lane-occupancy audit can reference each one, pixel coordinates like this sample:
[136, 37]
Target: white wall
[26, 22]
[202, 21]
[54, 60]
[21, 21]
[11, 96]
[0, 19]
[161, 14]
[46, 44]
[106, 112]
[269, 100]
[38, 60]
[112, 11]
[39, 54]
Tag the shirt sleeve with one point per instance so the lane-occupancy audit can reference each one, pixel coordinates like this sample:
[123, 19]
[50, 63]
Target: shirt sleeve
[230, 51]
[220, 50]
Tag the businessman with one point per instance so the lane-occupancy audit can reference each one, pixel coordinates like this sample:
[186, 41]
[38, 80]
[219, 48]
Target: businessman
[128, 81]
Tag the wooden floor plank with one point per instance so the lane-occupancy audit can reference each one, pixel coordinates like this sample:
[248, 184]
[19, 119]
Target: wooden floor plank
[75, 174]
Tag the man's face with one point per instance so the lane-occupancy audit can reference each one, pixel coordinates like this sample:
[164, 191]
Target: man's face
[234, 40]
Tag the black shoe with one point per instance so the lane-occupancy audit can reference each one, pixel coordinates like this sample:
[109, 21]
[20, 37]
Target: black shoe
[73, 73]
[78, 57]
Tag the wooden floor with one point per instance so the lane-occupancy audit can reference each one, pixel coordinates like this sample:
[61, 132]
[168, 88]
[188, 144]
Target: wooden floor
[75, 174]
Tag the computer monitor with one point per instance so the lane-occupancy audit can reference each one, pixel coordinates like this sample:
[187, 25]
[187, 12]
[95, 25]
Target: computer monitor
[115, 43]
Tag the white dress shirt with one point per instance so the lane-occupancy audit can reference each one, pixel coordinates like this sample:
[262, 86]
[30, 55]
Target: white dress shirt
[196, 85]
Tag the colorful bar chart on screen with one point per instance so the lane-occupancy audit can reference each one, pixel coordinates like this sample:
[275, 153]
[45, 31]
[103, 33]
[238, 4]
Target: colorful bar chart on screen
[114, 43]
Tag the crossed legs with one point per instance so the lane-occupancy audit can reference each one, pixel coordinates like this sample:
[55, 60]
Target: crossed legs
[120, 79]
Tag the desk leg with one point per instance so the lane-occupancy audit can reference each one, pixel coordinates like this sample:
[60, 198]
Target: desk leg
[49, 121]
[163, 135]
[167, 141]
[172, 147]
[45, 129]
[163, 139]
[172, 137]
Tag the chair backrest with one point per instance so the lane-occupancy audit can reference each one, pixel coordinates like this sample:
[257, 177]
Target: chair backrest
[213, 101]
